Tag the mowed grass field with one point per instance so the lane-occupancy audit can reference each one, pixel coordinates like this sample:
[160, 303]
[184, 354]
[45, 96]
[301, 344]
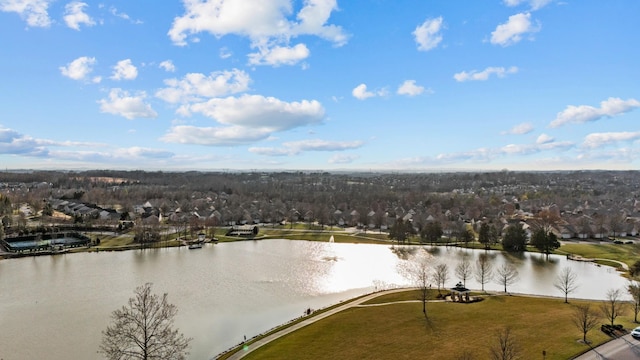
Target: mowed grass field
[400, 331]
[627, 253]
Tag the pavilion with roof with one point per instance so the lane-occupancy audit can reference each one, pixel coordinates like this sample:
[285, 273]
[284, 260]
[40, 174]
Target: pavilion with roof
[459, 293]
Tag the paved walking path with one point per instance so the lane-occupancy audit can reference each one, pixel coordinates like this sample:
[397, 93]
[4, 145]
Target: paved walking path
[355, 303]
[624, 266]
[623, 348]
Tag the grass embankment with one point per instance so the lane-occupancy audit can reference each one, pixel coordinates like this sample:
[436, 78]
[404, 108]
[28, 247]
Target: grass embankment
[399, 331]
[627, 253]
[314, 235]
[125, 241]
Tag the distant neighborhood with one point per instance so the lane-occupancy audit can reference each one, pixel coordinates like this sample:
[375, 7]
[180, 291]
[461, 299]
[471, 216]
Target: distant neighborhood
[587, 204]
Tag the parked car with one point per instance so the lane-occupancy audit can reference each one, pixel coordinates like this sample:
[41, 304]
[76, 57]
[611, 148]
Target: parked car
[636, 333]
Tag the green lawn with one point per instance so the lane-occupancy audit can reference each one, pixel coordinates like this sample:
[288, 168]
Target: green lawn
[399, 331]
[627, 253]
[339, 236]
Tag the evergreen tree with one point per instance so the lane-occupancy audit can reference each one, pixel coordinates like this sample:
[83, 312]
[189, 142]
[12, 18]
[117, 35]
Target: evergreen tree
[483, 236]
[432, 232]
[515, 238]
[400, 231]
[466, 237]
[544, 242]
[5, 205]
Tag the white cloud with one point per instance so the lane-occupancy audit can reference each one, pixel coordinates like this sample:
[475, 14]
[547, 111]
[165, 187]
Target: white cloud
[15, 143]
[543, 143]
[360, 92]
[214, 136]
[257, 19]
[297, 147]
[544, 139]
[427, 35]
[519, 129]
[343, 159]
[196, 86]
[79, 69]
[512, 31]
[312, 19]
[268, 24]
[121, 103]
[33, 11]
[535, 4]
[602, 139]
[609, 157]
[124, 70]
[168, 66]
[256, 111]
[246, 119]
[585, 113]
[225, 53]
[123, 15]
[323, 145]
[409, 87]
[75, 15]
[476, 155]
[116, 155]
[483, 75]
[279, 55]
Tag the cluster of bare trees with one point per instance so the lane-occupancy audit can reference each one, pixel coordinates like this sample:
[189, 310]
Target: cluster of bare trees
[585, 317]
[368, 199]
[423, 273]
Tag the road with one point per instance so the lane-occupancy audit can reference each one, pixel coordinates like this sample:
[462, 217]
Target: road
[623, 348]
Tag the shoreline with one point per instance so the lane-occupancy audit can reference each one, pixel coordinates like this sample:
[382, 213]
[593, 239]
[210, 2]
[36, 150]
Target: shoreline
[353, 235]
[242, 349]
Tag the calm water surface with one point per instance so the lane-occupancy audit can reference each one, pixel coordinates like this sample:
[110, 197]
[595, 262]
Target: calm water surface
[55, 307]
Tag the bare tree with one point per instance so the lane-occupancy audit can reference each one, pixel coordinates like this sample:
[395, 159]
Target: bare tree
[143, 330]
[546, 221]
[441, 275]
[506, 275]
[506, 346]
[612, 306]
[616, 222]
[464, 270]
[419, 272]
[634, 291]
[484, 270]
[566, 282]
[585, 319]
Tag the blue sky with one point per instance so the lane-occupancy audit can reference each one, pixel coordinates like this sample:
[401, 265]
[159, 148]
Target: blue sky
[320, 85]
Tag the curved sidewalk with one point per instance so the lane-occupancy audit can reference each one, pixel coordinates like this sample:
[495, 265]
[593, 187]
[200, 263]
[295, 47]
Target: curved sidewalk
[260, 342]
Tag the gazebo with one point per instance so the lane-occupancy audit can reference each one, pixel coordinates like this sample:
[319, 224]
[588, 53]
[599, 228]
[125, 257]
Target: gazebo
[459, 293]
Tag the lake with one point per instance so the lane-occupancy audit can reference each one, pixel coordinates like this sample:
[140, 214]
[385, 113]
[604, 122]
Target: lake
[55, 307]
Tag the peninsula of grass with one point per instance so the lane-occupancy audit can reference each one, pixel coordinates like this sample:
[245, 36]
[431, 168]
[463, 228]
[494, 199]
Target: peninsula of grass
[627, 253]
[400, 331]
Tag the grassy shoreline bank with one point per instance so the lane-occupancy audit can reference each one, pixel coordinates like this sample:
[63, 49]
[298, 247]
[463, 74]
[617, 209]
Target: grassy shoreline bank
[608, 254]
[392, 326]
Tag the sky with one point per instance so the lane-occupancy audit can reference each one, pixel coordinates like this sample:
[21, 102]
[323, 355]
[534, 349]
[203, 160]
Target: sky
[363, 85]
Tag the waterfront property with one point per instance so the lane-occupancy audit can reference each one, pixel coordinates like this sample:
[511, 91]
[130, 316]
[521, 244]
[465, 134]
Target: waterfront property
[45, 242]
[243, 230]
[222, 297]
